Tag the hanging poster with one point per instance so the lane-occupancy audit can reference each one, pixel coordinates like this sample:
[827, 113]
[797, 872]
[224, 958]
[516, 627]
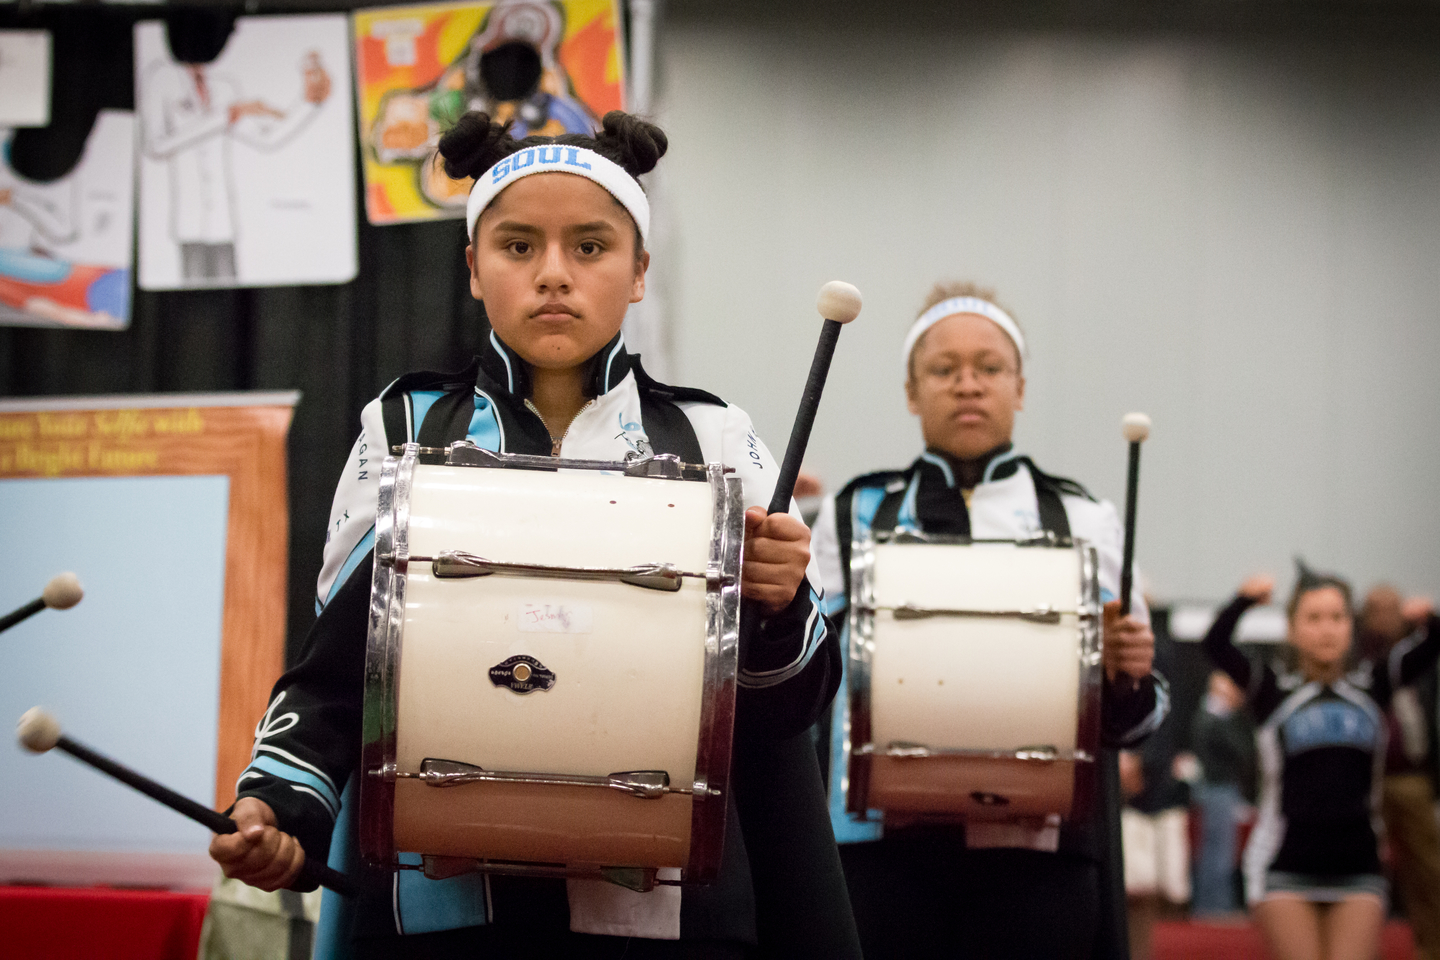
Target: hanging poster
[546, 66]
[24, 78]
[65, 246]
[246, 162]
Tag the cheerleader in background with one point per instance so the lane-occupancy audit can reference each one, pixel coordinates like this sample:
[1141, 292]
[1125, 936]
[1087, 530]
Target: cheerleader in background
[1312, 864]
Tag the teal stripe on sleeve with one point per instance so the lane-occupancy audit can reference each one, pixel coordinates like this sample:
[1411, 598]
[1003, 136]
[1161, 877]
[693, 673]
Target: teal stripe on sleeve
[278, 768]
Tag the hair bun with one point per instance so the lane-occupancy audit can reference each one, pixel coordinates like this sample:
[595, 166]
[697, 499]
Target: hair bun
[474, 145]
[635, 144]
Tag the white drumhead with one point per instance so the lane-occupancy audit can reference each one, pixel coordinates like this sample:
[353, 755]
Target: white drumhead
[975, 683]
[628, 661]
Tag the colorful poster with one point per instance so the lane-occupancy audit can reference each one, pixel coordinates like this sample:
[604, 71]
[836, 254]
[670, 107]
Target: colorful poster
[247, 162]
[65, 246]
[546, 66]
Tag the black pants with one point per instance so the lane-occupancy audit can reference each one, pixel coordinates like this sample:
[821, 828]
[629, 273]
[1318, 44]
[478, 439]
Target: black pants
[504, 942]
[923, 897]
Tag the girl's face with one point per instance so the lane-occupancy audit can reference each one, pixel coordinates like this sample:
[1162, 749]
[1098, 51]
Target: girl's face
[965, 385]
[554, 261]
[1321, 627]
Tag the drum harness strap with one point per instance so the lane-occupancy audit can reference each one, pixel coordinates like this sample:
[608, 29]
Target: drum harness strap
[1048, 490]
[447, 418]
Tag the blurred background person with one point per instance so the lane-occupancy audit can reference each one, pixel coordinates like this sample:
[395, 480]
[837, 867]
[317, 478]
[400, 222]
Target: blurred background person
[1155, 821]
[1222, 738]
[1312, 868]
[1408, 793]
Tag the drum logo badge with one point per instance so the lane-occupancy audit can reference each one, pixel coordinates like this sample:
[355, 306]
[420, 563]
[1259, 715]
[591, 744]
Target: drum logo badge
[522, 674]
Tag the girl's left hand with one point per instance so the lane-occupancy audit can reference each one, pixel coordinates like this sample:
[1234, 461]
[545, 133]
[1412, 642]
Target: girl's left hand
[1128, 646]
[777, 551]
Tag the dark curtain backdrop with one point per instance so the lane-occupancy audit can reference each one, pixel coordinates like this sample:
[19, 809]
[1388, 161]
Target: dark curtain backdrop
[409, 309]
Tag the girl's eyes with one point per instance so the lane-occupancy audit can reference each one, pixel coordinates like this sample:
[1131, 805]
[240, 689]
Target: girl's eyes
[587, 248]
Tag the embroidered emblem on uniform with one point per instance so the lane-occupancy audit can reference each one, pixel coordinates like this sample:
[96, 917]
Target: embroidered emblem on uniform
[1328, 723]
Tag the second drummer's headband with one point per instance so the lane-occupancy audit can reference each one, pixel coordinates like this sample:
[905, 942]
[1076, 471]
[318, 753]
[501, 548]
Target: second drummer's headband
[948, 308]
[559, 158]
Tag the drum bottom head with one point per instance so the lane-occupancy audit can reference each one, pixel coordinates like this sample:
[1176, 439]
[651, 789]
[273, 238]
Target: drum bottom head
[970, 788]
[561, 824]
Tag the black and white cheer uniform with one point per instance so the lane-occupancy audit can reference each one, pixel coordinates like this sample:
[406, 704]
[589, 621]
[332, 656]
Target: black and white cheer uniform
[307, 745]
[991, 889]
[1322, 756]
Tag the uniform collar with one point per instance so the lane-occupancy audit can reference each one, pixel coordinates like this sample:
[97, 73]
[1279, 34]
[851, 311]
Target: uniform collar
[502, 367]
[967, 474]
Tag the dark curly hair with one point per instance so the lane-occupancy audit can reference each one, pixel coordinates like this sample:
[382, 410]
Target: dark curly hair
[476, 143]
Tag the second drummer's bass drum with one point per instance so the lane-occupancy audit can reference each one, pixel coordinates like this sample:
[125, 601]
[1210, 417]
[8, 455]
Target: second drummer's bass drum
[974, 679]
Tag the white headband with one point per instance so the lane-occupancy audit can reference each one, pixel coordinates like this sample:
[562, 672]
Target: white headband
[948, 308]
[559, 159]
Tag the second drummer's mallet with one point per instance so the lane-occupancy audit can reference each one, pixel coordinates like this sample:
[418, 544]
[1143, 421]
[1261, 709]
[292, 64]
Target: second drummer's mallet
[39, 732]
[61, 593]
[839, 303]
[1136, 428]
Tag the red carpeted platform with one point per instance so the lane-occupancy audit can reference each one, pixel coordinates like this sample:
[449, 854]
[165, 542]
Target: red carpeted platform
[1192, 940]
[67, 923]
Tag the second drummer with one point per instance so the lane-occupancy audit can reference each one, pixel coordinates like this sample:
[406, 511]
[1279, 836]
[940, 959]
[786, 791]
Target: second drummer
[986, 890]
[557, 234]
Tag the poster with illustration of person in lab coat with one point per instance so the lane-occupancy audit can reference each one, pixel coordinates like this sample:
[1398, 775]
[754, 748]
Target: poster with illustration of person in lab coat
[246, 161]
[66, 245]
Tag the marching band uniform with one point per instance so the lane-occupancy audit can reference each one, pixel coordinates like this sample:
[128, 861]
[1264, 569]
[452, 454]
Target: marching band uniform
[1322, 757]
[307, 745]
[997, 889]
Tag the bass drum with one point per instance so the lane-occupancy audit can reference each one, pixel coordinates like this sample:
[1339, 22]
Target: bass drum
[550, 676]
[974, 672]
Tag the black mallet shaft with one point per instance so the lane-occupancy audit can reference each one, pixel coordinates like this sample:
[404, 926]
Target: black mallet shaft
[61, 593]
[838, 303]
[39, 732]
[1136, 428]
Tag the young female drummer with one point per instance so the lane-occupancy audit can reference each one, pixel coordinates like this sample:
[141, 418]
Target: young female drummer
[1312, 870]
[557, 231]
[985, 890]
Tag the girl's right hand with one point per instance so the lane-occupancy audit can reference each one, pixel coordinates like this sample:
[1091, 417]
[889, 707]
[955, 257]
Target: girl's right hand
[1258, 588]
[258, 853]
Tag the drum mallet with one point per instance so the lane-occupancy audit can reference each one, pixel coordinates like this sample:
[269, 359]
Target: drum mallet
[838, 303]
[1136, 428]
[39, 732]
[61, 593]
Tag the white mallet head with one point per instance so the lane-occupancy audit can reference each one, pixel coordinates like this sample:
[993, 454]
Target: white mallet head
[62, 592]
[38, 730]
[1135, 426]
[838, 301]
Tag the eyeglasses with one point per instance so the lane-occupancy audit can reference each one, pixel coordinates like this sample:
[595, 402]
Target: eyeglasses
[985, 371]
